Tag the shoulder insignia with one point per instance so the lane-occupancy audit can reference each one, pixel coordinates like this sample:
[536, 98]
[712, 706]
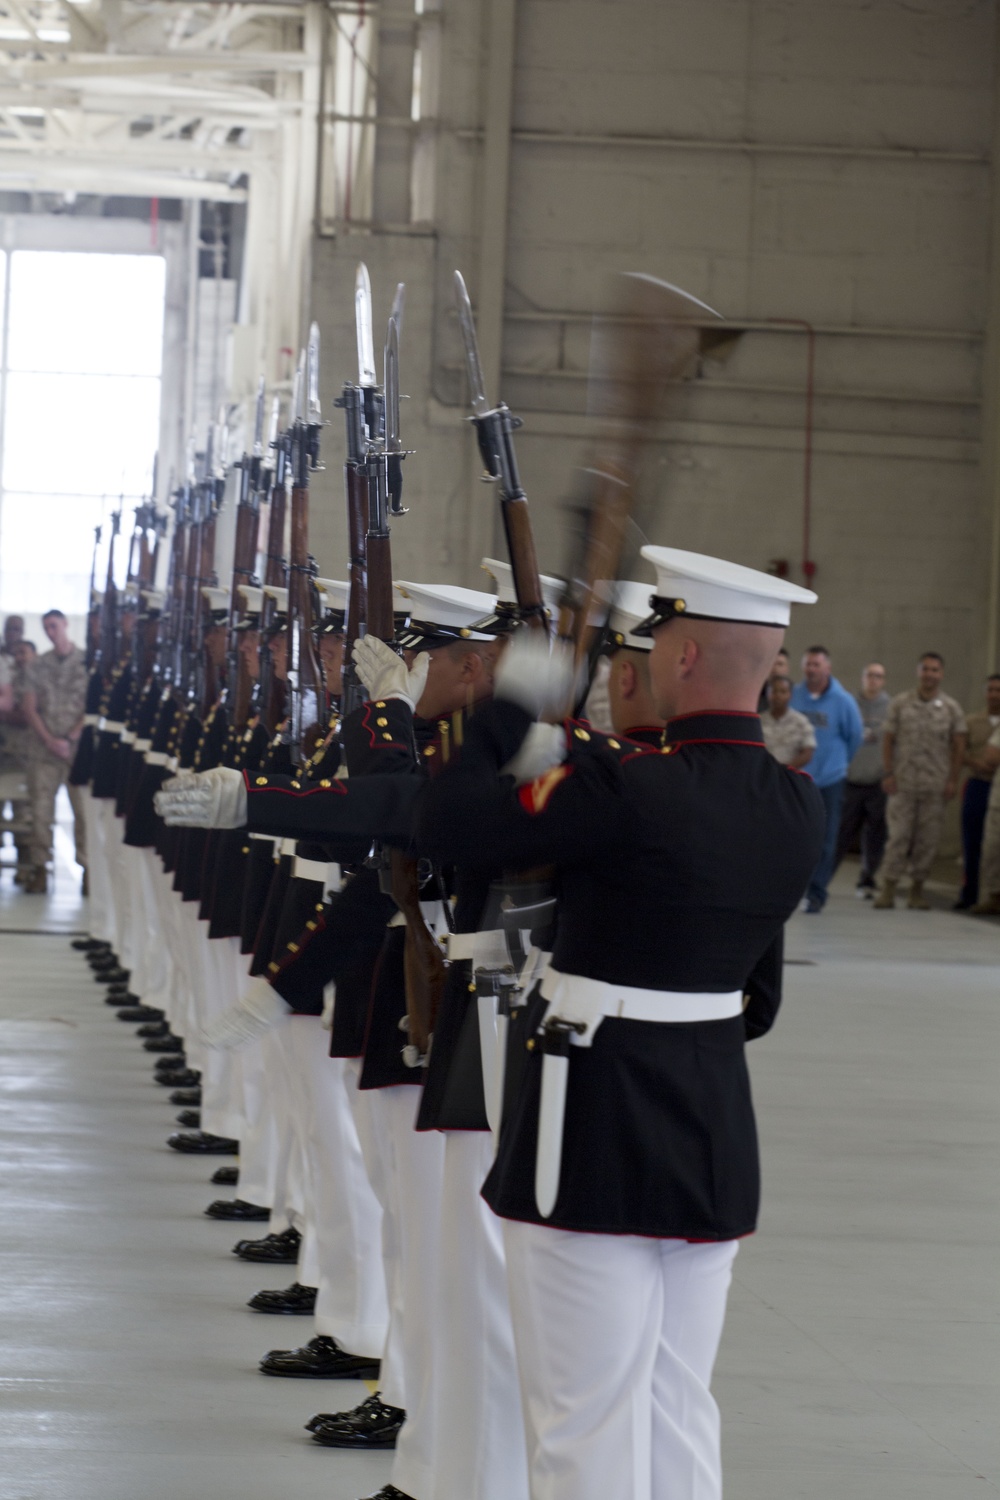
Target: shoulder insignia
[534, 795]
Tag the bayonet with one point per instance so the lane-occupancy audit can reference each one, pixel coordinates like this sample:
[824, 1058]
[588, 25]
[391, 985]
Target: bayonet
[363, 322]
[314, 415]
[477, 385]
[258, 426]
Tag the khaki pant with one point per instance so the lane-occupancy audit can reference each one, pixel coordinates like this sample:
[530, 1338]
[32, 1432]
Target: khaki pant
[46, 774]
[989, 859]
[915, 820]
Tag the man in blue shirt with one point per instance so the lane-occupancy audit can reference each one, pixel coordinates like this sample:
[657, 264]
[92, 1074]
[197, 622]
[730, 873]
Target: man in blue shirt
[834, 716]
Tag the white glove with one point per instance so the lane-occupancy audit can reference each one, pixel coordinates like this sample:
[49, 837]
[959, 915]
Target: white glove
[261, 1009]
[204, 799]
[329, 1001]
[544, 746]
[386, 675]
[538, 676]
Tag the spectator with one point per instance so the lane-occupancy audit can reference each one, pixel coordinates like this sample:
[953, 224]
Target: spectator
[53, 706]
[988, 904]
[976, 795]
[14, 762]
[779, 668]
[922, 753]
[863, 813]
[787, 734]
[13, 631]
[834, 716]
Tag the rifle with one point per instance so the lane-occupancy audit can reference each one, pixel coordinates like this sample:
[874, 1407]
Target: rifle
[107, 653]
[93, 608]
[203, 679]
[270, 692]
[306, 686]
[358, 403]
[650, 344]
[495, 427]
[239, 685]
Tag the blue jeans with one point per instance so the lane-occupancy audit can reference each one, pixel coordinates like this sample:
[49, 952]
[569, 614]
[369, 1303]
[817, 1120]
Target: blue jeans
[833, 796]
[977, 795]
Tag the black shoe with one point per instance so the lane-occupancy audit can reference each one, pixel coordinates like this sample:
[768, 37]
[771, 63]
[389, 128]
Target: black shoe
[274, 1249]
[190, 1119]
[112, 976]
[178, 1078]
[197, 1142]
[964, 903]
[167, 1066]
[370, 1425]
[294, 1299]
[153, 1028]
[147, 1013]
[222, 1176]
[103, 957]
[121, 995]
[187, 1097]
[238, 1208]
[90, 945]
[813, 908]
[321, 1359]
[165, 1044]
[388, 1492]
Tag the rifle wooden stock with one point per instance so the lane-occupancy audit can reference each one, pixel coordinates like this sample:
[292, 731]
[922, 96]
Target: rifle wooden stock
[380, 617]
[423, 962]
[523, 561]
[302, 653]
[356, 488]
[244, 557]
[272, 691]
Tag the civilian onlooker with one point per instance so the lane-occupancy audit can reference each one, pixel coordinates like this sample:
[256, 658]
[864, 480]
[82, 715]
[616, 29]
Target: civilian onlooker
[976, 795]
[922, 752]
[779, 668]
[834, 716]
[863, 814]
[787, 734]
[53, 706]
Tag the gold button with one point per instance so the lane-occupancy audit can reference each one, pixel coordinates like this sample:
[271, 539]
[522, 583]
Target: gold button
[310, 926]
[443, 725]
[472, 989]
[614, 744]
[680, 605]
[319, 906]
[297, 785]
[530, 1045]
[581, 734]
[380, 703]
[293, 947]
[261, 781]
[382, 722]
[246, 849]
[667, 750]
[272, 968]
[387, 736]
[431, 750]
[326, 781]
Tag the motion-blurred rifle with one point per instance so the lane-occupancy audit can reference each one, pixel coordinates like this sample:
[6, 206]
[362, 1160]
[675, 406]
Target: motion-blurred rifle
[495, 427]
[270, 692]
[307, 703]
[239, 685]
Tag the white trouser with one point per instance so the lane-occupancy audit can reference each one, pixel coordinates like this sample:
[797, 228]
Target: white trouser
[343, 1211]
[616, 1338]
[117, 885]
[479, 1449]
[416, 1163]
[370, 1119]
[100, 912]
[158, 962]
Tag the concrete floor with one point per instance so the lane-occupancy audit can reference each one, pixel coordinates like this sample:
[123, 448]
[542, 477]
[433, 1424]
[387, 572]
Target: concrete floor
[860, 1359]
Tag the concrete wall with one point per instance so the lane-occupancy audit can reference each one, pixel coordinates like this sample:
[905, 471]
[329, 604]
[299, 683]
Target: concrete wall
[818, 160]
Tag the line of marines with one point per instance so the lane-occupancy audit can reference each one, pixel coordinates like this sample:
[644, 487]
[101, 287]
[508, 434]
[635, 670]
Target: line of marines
[523, 1229]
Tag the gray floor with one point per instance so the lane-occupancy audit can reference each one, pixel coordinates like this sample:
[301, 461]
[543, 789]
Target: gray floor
[860, 1357]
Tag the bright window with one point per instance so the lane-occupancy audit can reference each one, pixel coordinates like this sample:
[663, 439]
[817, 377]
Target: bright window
[79, 413]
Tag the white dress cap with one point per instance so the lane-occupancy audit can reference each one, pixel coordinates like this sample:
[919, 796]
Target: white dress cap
[710, 588]
[503, 576]
[333, 593]
[630, 608]
[217, 599]
[253, 598]
[445, 608]
[279, 595]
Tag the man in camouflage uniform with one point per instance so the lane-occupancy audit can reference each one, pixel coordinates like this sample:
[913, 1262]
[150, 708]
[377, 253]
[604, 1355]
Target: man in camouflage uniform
[922, 754]
[15, 743]
[53, 706]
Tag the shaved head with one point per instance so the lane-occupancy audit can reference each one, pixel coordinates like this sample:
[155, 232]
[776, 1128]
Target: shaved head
[700, 665]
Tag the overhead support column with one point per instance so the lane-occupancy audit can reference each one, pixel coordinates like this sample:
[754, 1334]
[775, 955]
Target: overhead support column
[498, 92]
[990, 460]
[394, 102]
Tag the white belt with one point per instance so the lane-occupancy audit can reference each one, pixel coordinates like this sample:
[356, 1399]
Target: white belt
[431, 911]
[110, 726]
[157, 758]
[143, 745]
[172, 763]
[265, 838]
[589, 1001]
[128, 738]
[89, 720]
[329, 875]
[487, 950]
[585, 1003]
[287, 847]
